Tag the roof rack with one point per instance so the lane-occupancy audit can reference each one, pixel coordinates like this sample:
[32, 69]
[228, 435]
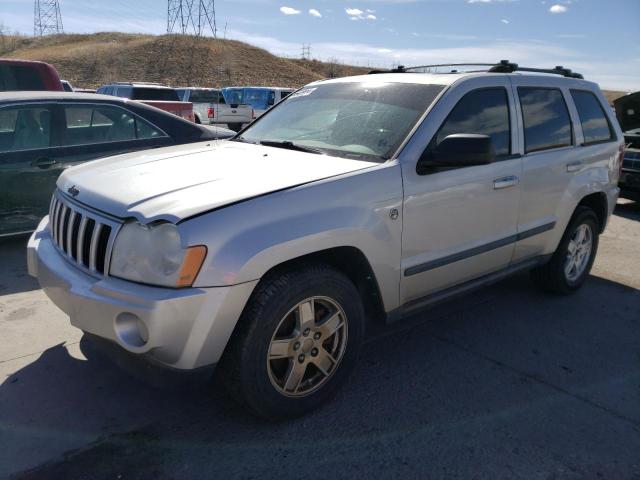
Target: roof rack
[504, 66]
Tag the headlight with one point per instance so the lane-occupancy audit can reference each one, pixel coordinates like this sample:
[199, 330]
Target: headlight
[154, 254]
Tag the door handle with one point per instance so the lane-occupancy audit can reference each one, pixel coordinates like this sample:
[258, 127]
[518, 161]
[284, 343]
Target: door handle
[43, 162]
[505, 182]
[574, 166]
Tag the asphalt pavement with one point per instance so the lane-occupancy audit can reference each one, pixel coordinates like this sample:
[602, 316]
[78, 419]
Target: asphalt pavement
[507, 382]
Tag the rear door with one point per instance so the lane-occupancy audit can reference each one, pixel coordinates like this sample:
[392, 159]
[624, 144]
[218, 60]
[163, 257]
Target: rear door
[28, 167]
[460, 223]
[550, 161]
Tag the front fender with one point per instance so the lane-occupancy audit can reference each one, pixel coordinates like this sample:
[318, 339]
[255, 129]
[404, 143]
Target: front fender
[248, 239]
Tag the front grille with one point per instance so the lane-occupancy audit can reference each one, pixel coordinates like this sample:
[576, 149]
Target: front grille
[83, 236]
[631, 160]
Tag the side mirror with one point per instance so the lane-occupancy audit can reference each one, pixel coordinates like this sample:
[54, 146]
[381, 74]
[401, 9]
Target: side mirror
[459, 150]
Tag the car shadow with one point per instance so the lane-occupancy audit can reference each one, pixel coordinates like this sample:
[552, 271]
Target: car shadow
[502, 383]
[14, 277]
[629, 210]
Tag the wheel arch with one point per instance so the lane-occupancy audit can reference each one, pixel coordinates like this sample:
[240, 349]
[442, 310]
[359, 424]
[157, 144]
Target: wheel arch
[599, 204]
[350, 261]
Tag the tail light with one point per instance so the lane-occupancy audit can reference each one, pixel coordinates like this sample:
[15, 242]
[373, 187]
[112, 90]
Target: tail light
[210, 112]
[620, 160]
[189, 116]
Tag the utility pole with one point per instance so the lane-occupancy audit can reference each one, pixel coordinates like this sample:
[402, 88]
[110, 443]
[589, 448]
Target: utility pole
[47, 19]
[195, 17]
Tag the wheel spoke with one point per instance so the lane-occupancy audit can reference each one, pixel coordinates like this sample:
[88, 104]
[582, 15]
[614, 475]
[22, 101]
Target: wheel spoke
[294, 376]
[580, 234]
[331, 326]
[324, 361]
[281, 348]
[306, 315]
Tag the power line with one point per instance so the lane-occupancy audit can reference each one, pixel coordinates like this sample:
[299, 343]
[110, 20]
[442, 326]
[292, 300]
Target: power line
[47, 19]
[196, 17]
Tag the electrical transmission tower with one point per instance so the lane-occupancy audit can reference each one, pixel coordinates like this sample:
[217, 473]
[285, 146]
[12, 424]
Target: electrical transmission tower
[306, 51]
[196, 17]
[47, 19]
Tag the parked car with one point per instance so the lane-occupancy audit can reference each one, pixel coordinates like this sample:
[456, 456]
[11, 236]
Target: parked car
[154, 94]
[261, 99]
[28, 75]
[209, 107]
[66, 86]
[628, 113]
[42, 134]
[356, 199]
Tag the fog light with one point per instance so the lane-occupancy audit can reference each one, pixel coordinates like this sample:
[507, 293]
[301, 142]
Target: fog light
[131, 330]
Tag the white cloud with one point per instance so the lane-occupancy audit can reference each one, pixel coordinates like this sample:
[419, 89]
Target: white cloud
[358, 14]
[558, 8]
[505, 21]
[289, 11]
[315, 13]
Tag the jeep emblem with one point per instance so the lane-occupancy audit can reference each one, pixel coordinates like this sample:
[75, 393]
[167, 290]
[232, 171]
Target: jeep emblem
[73, 191]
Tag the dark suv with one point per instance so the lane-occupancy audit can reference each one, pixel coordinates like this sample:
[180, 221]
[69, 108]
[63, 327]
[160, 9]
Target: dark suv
[628, 113]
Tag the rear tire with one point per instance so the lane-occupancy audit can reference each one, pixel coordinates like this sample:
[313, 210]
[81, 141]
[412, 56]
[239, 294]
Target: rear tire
[296, 343]
[571, 263]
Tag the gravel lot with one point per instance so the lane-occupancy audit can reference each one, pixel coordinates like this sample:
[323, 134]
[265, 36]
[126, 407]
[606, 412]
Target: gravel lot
[505, 383]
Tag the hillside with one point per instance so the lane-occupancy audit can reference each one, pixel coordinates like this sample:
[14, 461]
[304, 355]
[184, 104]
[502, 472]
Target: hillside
[91, 60]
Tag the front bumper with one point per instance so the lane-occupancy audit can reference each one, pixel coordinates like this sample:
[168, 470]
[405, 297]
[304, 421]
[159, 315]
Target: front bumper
[178, 328]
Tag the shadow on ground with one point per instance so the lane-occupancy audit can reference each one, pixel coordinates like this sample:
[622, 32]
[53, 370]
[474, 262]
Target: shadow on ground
[628, 209]
[506, 383]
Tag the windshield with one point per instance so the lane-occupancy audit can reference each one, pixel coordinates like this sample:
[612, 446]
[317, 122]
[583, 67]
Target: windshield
[355, 120]
[165, 94]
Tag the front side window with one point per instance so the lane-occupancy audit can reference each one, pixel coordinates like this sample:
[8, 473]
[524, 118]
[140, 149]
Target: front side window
[86, 124]
[481, 112]
[24, 128]
[367, 120]
[547, 123]
[595, 126]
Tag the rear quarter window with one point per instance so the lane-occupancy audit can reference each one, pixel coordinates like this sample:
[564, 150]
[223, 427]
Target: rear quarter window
[595, 125]
[546, 119]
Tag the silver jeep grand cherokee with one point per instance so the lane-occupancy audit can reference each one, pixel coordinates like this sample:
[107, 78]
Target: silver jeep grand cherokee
[354, 199]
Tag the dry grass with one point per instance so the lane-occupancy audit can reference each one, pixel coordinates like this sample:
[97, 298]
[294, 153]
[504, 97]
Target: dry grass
[92, 60]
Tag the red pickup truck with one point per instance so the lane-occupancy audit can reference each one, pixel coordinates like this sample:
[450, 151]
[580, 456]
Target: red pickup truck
[154, 94]
[28, 75]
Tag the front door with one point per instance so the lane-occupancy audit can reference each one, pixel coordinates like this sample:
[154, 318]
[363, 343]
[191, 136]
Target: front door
[460, 224]
[28, 167]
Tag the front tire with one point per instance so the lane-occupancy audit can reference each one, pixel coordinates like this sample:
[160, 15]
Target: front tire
[297, 342]
[571, 263]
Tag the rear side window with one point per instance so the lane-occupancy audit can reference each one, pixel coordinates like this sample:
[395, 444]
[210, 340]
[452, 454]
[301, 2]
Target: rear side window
[482, 112]
[19, 77]
[547, 123]
[595, 126]
[86, 125]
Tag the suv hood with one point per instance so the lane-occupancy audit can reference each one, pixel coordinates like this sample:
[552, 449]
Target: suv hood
[175, 183]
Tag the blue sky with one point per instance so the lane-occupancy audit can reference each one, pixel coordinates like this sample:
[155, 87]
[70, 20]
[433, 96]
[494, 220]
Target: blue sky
[600, 38]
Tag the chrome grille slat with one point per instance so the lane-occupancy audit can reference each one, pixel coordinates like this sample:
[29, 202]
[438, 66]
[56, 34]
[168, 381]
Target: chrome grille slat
[84, 232]
[93, 247]
[80, 246]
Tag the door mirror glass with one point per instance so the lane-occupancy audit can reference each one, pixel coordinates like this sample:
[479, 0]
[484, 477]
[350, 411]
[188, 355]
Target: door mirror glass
[458, 150]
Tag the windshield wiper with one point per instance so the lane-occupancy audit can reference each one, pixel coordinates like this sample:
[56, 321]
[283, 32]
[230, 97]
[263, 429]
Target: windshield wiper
[291, 146]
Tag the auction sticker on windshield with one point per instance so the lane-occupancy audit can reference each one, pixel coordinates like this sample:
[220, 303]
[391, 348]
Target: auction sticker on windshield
[303, 93]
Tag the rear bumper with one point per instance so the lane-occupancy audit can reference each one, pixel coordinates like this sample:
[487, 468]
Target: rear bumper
[177, 328]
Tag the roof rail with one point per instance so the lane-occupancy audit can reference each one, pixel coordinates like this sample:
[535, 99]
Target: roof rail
[504, 66]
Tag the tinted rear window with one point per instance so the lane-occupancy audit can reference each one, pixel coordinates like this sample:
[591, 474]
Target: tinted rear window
[163, 94]
[19, 77]
[595, 126]
[547, 123]
[204, 96]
